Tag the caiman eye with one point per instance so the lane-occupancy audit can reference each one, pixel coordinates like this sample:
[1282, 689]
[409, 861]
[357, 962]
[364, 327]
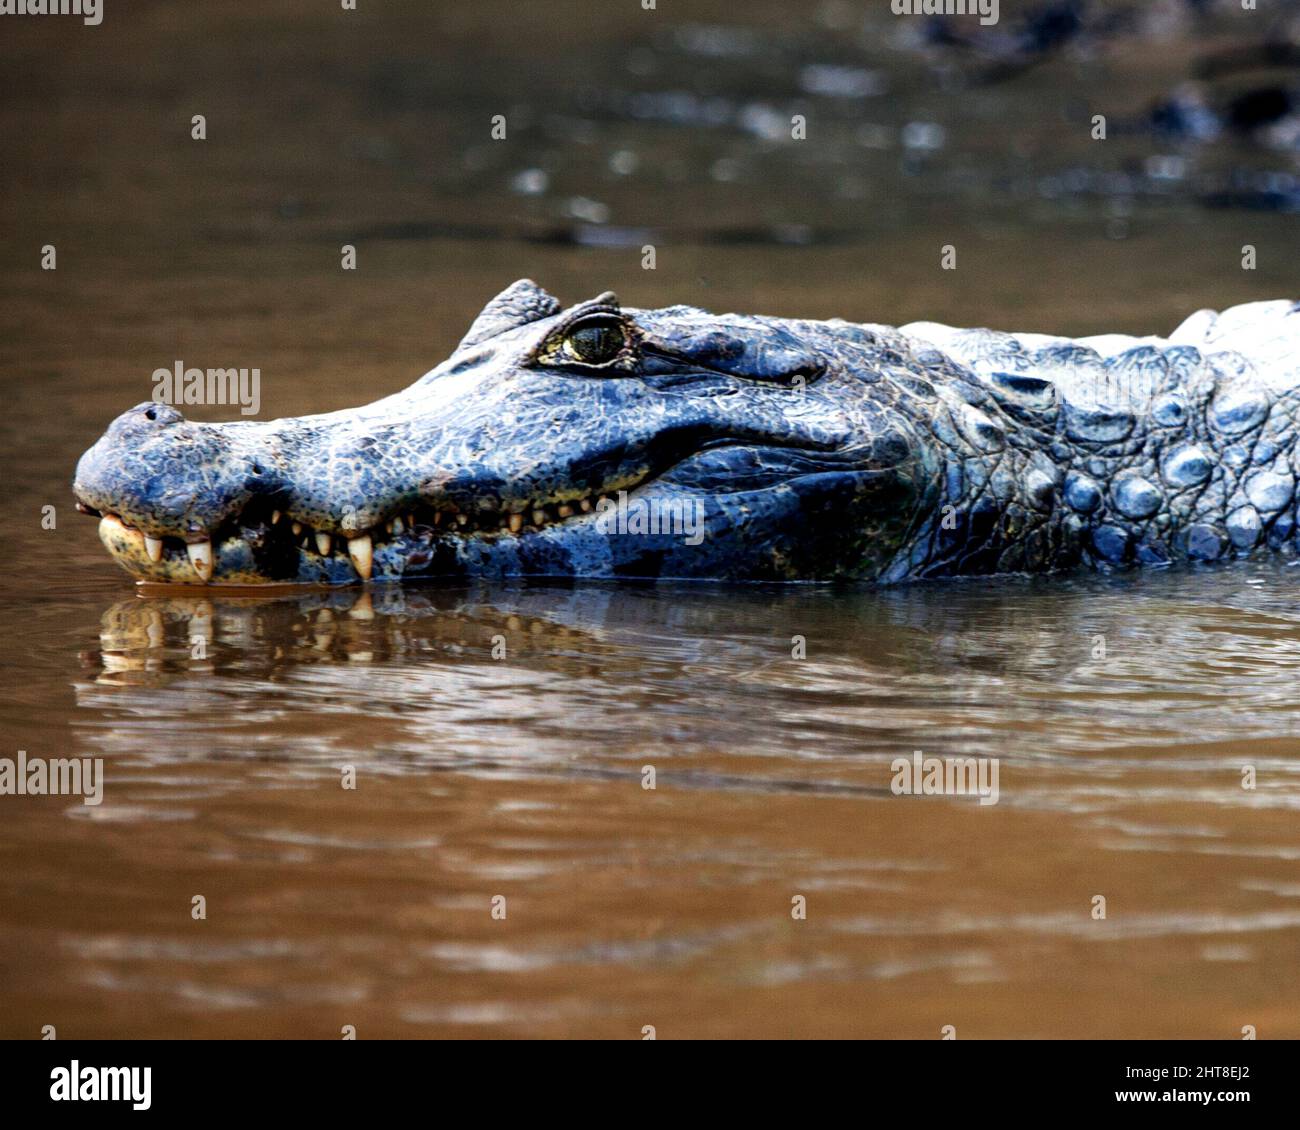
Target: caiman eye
[596, 341]
[600, 342]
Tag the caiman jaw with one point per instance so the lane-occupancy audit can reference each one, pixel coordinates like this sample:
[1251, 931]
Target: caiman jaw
[291, 551]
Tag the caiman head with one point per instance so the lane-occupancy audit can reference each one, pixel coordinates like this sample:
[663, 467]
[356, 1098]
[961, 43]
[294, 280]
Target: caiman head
[593, 441]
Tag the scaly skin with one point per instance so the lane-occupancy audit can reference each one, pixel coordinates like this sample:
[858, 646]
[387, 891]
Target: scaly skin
[808, 450]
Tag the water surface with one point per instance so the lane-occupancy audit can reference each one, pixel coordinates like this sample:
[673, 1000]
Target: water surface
[522, 776]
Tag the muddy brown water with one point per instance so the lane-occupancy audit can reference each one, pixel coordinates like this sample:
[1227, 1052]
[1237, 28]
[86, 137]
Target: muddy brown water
[1122, 710]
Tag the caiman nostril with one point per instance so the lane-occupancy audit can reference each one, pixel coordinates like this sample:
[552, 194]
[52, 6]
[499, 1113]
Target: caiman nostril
[148, 415]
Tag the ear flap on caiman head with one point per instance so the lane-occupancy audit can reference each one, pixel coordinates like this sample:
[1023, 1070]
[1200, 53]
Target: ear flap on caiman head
[520, 303]
[756, 350]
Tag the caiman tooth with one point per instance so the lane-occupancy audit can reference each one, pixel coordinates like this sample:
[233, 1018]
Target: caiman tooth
[113, 525]
[153, 547]
[585, 505]
[323, 543]
[361, 551]
[437, 519]
[296, 528]
[275, 517]
[200, 555]
[564, 510]
[516, 523]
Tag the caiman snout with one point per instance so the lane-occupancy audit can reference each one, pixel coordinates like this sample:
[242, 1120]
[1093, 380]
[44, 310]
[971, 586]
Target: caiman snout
[164, 487]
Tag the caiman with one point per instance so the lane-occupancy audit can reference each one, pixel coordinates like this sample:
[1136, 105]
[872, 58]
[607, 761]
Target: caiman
[600, 441]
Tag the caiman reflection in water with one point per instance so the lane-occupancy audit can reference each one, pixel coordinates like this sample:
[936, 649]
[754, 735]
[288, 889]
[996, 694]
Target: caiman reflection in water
[500, 738]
